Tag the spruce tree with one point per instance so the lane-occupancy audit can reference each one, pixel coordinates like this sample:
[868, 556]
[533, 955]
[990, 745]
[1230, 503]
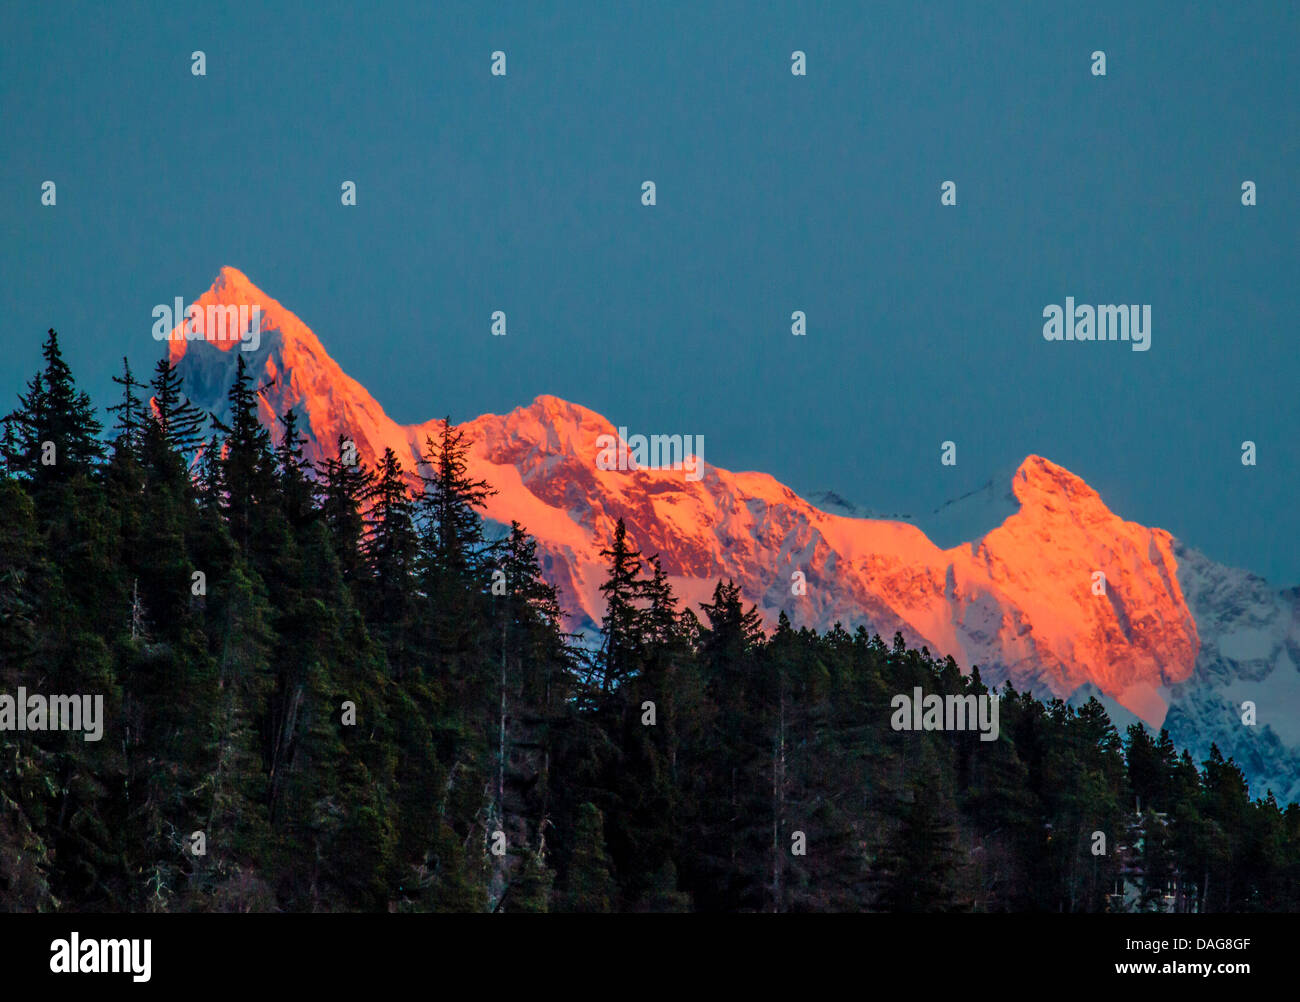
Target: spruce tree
[345, 487]
[390, 548]
[589, 887]
[53, 434]
[621, 630]
[293, 470]
[449, 506]
[181, 425]
[245, 467]
[130, 427]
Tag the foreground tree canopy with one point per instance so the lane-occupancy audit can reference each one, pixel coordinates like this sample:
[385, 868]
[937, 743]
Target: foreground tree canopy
[322, 692]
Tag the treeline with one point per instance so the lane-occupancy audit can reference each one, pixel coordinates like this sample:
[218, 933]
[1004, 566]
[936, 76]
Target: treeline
[323, 693]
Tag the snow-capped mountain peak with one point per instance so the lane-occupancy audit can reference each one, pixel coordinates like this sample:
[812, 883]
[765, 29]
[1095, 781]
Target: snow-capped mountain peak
[1051, 590]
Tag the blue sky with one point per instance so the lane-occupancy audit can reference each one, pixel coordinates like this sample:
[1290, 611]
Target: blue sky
[775, 193]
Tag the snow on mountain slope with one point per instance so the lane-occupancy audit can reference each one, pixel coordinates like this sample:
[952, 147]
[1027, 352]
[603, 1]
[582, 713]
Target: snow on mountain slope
[962, 519]
[1250, 651]
[302, 376]
[1019, 601]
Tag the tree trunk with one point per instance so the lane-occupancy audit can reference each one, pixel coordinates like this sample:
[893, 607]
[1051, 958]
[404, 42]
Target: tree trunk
[778, 806]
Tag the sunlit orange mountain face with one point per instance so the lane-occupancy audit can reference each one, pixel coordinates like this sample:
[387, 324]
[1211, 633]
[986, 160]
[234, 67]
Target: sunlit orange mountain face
[1172, 638]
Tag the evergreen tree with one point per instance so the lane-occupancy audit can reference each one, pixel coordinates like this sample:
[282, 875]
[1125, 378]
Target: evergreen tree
[296, 487]
[921, 865]
[345, 487]
[243, 466]
[130, 424]
[448, 507]
[621, 629]
[180, 424]
[390, 549]
[352, 695]
[53, 434]
[589, 886]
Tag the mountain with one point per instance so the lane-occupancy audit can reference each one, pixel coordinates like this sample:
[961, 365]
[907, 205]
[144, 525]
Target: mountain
[1169, 637]
[962, 519]
[1250, 650]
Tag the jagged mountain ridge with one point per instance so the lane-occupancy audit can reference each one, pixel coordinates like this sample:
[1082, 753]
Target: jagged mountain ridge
[1019, 601]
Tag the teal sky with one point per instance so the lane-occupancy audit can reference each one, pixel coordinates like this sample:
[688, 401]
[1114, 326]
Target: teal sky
[775, 193]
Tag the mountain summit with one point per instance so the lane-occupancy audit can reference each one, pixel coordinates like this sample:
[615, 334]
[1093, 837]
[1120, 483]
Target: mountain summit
[1063, 598]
